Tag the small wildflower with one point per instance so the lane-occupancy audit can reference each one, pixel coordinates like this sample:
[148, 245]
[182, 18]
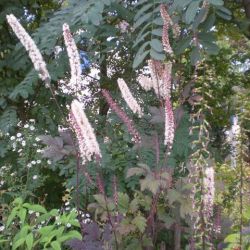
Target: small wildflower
[68, 225]
[38, 161]
[26, 126]
[24, 143]
[49, 162]
[34, 177]
[32, 128]
[29, 165]
[33, 162]
[18, 135]
[12, 138]
[38, 139]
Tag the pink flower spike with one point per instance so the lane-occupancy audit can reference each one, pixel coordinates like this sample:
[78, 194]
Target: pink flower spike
[122, 115]
[169, 123]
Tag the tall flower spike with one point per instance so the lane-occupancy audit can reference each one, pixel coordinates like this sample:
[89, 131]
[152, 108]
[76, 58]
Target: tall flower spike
[166, 24]
[209, 191]
[122, 115]
[145, 82]
[30, 46]
[128, 97]
[88, 145]
[169, 123]
[74, 60]
[161, 77]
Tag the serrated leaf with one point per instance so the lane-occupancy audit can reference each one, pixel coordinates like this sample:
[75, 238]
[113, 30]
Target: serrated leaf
[135, 171]
[140, 222]
[8, 120]
[134, 205]
[150, 184]
[123, 202]
[173, 196]
[100, 199]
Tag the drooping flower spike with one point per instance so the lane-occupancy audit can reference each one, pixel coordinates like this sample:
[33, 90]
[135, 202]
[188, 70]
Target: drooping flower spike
[30, 46]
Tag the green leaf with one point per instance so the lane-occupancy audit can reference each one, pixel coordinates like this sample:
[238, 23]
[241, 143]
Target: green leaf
[8, 120]
[142, 20]
[22, 214]
[200, 18]
[29, 241]
[191, 11]
[173, 196]
[134, 205]
[210, 48]
[209, 23]
[123, 202]
[223, 15]
[232, 238]
[100, 199]
[149, 183]
[140, 222]
[157, 32]
[182, 45]
[182, 3]
[56, 245]
[157, 45]
[37, 208]
[135, 171]
[11, 216]
[18, 243]
[157, 56]
[195, 55]
[216, 2]
[139, 58]
[70, 235]
[142, 10]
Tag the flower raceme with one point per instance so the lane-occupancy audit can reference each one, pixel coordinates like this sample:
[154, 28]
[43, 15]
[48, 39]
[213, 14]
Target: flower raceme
[74, 84]
[122, 115]
[209, 191]
[88, 145]
[169, 123]
[30, 46]
[128, 97]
